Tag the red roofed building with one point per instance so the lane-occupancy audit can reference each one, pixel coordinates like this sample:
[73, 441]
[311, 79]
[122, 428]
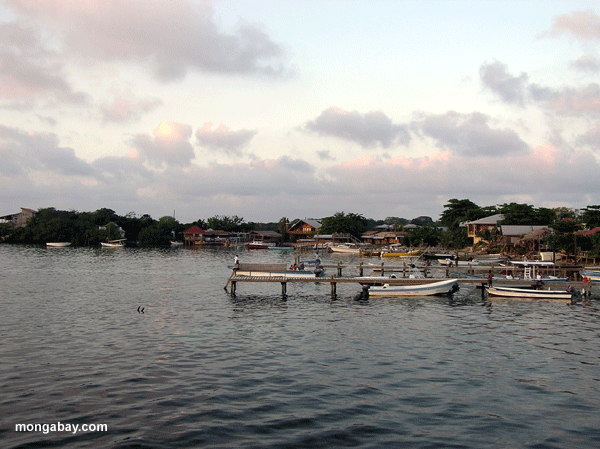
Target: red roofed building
[592, 231]
[193, 236]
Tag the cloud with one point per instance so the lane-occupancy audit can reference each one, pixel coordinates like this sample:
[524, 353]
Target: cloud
[365, 129]
[168, 145]
[171, 37]
[591, 136]
[580, 101]
[223, 139]
[41, 152]
[587, 63]
[511, 89]
[583, 25]
[30, 73]
[470, 134]
[126, 108]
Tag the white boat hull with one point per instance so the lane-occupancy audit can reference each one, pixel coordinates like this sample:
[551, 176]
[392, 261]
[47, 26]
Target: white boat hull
[592, 275]
[58, 244]
[426, 289]
[512, 292]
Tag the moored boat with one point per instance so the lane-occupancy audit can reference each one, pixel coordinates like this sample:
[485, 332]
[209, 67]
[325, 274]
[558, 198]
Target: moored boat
[349, 248]
[529, 293]
[256, 244]
[591, 274]
[113, 244]
[445, 287]
[58, 244]
[400, 254]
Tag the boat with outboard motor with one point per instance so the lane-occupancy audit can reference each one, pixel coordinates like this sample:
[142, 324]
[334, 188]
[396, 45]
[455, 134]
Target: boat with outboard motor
[443, 287]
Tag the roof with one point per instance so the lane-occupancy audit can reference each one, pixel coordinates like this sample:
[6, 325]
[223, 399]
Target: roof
[592, 231]
[309, 221]
[491, 220]
[520, 230]
[271, 234]
[194, 230]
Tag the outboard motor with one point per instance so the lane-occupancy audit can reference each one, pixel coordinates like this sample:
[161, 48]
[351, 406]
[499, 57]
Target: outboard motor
[363, 295]
[574, 292]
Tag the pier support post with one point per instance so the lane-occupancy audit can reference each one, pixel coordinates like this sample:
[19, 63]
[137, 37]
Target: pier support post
[333, 288]
[339, 269]
[233, 284]
[382, 270]
[284, 288]
[360, 269]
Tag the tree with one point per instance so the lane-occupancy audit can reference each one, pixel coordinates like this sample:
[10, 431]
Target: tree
[225, 223]
[354, 224]
[459, 211]
[591, 216]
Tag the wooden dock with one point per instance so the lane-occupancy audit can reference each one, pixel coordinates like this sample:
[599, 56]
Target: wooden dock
[373, 280]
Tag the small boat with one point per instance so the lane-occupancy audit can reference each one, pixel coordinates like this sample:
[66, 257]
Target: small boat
[444, 287]
[529, 293]
[591, 274]
[113, 244]
[273, 270]
[58, 244]
[175, 244]
[489, 260]
[256, 244]
[349, 248]
[400, 254]
[440, 257]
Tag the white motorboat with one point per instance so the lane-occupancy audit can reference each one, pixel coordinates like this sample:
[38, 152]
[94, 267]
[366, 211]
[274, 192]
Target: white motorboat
[444, 287]
[591, 273]
[349, 248]
[529, 293]
[113, 243]
[58, 244]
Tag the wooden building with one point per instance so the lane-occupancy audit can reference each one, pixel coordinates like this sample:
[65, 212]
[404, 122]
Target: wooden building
[193, 236]
[477, 226]
[304, 229]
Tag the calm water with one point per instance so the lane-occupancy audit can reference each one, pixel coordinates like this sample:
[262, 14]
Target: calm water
[202, 369]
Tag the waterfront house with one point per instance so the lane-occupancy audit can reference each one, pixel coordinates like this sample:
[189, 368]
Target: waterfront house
[20, 219]
[266, 236]
[193, 236]
[524, 236]
[304, 229]
[477, 226]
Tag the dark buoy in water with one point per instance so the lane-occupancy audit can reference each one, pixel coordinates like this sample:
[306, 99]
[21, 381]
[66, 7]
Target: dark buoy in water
[363, 295]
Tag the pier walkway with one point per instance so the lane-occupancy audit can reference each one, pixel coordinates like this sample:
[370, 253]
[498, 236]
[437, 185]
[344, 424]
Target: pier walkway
[374, 280]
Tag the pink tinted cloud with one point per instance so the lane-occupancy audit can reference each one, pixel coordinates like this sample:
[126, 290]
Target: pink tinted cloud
[170, 37]
[584, 25]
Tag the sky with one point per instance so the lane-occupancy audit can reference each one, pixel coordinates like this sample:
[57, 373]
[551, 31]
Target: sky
[297, 109]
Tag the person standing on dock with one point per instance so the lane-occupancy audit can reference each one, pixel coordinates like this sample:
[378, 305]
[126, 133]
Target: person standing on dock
[236, 263]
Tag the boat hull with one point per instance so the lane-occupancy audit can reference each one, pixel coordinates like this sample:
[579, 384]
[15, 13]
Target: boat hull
[511, 292]
[58, 244]
[435, 288]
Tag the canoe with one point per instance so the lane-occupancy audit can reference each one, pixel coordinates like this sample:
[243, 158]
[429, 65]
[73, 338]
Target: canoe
[514, 292]
[444, 287]
[58, 244]
[400, 254]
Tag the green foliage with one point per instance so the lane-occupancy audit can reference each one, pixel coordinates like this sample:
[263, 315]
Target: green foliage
[524, 214]
[425, 236]
[225, 223]
[459, 211]
[591, 216]
[341, 223]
